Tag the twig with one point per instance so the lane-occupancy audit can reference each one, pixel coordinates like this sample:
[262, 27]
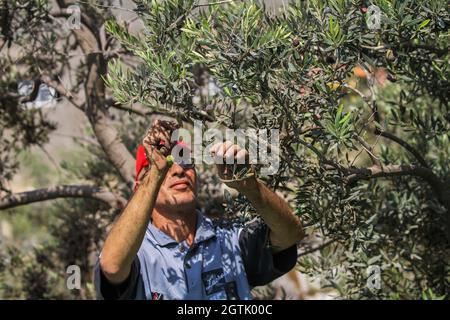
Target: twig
[319, 247]
[213, 3]
[362, 95]
[52, 160]
[59, 87]
[373, 157]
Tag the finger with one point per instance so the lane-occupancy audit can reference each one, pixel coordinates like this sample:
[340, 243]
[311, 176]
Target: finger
[147, 143]
[156, 136]
[214, 148]
[214, 152]
[154, 123]
[222, 149]
[230, 153]
[169, 126]
[241, 156]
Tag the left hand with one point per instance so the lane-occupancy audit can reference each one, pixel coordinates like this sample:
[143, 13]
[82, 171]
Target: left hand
[238, 157]
[157, 143]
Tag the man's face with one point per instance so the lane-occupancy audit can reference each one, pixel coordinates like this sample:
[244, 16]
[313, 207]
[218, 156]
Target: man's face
[178, 190]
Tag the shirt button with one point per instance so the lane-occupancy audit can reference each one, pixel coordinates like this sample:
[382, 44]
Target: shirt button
[182, 249]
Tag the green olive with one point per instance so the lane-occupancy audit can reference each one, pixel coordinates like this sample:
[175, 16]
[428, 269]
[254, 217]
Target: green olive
[169, 159]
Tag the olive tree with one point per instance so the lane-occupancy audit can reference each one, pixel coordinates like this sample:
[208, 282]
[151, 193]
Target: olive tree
[368, 165]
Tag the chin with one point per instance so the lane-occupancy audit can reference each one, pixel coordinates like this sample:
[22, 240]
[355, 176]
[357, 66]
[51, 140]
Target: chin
[186, 198]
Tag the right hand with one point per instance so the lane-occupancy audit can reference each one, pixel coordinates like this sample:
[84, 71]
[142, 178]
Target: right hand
[160, 131]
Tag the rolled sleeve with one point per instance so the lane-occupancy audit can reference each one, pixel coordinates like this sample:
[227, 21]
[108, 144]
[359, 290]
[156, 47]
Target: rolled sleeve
[125, 291]
[262, 266]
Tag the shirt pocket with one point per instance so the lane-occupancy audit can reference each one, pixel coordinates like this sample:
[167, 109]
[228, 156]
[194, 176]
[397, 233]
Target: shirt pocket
[213, 281]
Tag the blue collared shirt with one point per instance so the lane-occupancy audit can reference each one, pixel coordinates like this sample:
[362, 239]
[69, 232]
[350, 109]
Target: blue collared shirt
[225, 261]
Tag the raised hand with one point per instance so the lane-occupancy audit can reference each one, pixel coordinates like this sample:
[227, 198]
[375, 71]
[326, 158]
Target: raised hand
[157, 143]
[235, 170]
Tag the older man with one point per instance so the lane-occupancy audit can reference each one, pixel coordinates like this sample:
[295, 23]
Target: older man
[162, 247]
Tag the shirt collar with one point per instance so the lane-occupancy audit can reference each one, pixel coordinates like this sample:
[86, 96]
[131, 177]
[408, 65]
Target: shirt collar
[205, 228]
[204, 231]
[159, 237]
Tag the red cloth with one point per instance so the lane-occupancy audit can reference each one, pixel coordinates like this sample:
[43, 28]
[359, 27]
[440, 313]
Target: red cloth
[141, 160]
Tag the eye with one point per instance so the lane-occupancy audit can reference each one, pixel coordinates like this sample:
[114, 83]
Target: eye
[187, 166]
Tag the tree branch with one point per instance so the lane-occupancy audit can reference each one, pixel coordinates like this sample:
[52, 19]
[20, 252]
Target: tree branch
[145, 112]
[440, 188]
[310, 249]
[64, 191]
[75, 100]
[390, 136]
[404, 144]
[392, 170]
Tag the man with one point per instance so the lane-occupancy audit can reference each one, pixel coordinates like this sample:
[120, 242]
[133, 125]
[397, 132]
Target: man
[161, 247]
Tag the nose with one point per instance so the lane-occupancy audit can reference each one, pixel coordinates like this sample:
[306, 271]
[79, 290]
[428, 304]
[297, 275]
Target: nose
[177, 170]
